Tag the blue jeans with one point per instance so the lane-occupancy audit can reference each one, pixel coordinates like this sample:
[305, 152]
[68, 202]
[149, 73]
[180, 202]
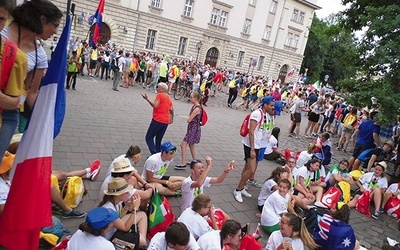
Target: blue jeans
[157, 130]
[9, 124]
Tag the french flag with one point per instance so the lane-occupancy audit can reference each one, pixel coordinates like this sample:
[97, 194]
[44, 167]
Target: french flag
[28, 206]
[99, 20]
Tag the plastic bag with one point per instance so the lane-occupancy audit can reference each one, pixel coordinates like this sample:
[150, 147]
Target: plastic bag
[362, 205]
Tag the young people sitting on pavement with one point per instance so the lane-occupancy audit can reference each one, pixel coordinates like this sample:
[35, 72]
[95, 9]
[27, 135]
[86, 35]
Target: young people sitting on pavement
[229, 235]
[193, 217]
[277, 203]
[90, 234]
[115, 196]
[333, 230]
[271, 185]
[155, 168]
[376, 183]
[305, 155]
[373, 155]
[193, 185]
[338, 173]
[304, 189]
[272, 151]
[122, 168]
[177, 236]
[293, 234]
[392, 190]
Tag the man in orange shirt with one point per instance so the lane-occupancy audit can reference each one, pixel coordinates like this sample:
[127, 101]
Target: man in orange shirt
[163, 112]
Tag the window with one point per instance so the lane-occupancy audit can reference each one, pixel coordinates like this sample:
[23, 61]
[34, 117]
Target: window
[247, 26]
[301, 18]
[222, 18]
[151, 39]
[261, 63]
[219, 17]
[295, 15]
[214, 16]
[292, 40]
[240, 59]
[253, 2]
[182, 46]
[156, 3]
[273, 7]
[267, 32]
[188, 8]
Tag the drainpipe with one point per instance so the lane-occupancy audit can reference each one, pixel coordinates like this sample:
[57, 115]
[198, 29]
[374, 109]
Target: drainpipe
[276, 39]
[137, 25]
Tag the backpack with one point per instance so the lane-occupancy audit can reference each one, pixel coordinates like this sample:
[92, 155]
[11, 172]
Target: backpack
[232, 84]
[56, 228]
[171, 72]
[114, 65]
[244, 128]
[73, 191]
[9, 54]
[203, 86]
[204, 117]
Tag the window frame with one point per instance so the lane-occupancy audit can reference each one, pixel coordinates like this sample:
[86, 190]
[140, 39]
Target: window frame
[269, 29]
[295, 15]
[151, 39]
[273, 7]
[260, 64]
[247, 26]
[182, 46]
[240, 58]
[188, 8]
[215, 16]
[154, 4]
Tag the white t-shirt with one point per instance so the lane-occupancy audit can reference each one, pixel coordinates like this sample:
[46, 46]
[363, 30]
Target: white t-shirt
[84, 240]
[367, 181]
[196, 223]
[117, 209]
[104, 186]
[4, 190]
[276, 238]
[158, 242]
[303, 172]
[336, 170]
[188, 193]
[271, 145]
[155, 165]
[265, 123]
[274, 206]
[266, 190]
[304, 157]
[210, 240]
[394, 188]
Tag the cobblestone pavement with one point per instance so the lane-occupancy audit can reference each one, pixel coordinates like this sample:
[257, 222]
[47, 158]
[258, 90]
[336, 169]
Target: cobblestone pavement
[101, 124]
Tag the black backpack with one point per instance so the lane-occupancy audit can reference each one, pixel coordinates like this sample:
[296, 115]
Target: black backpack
[114, 64]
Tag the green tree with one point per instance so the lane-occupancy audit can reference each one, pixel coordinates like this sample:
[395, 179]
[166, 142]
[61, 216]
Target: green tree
[379, 50]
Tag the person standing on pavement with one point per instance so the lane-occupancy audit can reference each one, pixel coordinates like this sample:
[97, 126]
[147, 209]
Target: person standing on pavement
[120, 62]
[74, 63]
[193, 133]
[296, 116]
[259, 132]
[163, 111]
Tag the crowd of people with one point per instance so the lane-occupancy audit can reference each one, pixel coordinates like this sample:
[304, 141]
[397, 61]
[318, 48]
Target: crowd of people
[290, 191]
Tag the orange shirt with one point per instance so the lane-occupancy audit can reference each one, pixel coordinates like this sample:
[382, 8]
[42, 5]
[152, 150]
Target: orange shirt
[162, 112]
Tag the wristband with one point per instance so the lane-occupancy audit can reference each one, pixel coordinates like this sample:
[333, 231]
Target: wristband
[144, 185]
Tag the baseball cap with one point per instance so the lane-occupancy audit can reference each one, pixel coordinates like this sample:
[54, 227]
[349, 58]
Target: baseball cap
[100, 217]
[266, 100]
[167, 146]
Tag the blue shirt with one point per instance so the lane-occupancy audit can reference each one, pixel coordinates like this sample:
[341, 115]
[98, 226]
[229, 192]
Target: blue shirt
[366, 130]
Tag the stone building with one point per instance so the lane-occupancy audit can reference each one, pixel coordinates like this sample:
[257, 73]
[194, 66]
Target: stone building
[263, 37]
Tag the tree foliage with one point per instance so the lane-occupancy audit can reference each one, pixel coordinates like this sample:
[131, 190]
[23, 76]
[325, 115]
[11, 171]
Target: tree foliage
[379, 50]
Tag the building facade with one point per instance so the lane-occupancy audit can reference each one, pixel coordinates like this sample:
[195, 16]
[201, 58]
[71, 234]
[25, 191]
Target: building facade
[262, 37]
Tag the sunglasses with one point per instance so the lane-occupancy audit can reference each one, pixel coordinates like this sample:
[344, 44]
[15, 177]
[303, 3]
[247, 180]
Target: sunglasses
[172, 152]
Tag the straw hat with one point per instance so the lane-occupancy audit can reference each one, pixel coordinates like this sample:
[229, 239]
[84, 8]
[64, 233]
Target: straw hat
[117, 186]
[122, 166]
[382, 164]
[390, 143]
[7, 162]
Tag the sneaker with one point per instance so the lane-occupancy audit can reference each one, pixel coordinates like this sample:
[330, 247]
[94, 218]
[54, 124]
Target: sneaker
[319, 204]
[246, 194]
[391, 242]
[180, 167]
[375, 215]
[178, 193]
[238, 195]
[381, 210]
[73, 214]
[254, 183]
[94, 170]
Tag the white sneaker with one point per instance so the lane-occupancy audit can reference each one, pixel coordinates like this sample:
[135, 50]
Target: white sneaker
[391, 242]
[254, 183]
[238, 196]
[319, 204]
[246, 194]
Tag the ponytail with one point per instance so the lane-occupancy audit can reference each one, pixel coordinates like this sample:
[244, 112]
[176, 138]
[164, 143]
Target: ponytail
[305, 236]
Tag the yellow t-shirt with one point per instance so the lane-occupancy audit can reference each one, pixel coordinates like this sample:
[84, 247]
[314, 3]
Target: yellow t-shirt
[18, 73]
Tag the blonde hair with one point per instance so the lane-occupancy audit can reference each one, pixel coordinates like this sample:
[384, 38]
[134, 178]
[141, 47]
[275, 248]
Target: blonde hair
[299, 228]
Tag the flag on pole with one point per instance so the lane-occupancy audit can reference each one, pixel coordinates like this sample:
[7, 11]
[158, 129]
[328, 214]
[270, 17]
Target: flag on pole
[28, 206]
[317, 85]
[99, 20]
[291, 73]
